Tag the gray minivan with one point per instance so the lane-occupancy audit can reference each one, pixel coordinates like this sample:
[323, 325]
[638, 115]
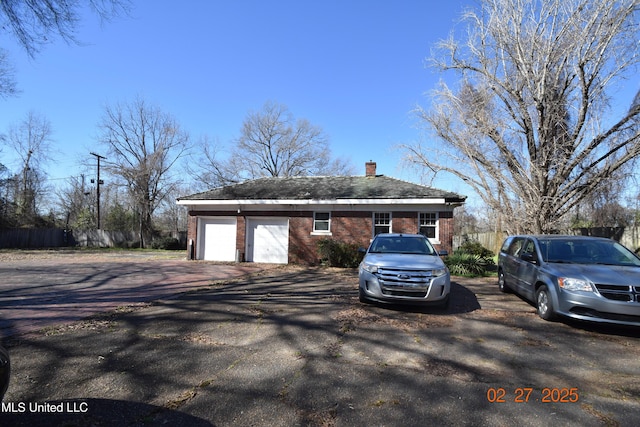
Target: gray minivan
[582, 277]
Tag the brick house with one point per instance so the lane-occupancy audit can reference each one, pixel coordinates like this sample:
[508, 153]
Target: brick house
[280, 220]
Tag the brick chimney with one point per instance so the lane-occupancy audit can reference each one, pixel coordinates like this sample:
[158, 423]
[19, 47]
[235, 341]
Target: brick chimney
[370, 168]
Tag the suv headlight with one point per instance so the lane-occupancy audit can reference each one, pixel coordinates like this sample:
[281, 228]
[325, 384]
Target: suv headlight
[439, 272]
[371, 268]
[571, 284]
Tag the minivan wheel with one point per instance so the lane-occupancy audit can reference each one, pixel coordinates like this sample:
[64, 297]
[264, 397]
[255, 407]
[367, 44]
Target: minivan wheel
[502, 284]
[545, 306]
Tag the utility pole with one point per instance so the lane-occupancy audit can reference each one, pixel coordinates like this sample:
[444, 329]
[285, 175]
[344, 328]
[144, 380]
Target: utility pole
[99, 182]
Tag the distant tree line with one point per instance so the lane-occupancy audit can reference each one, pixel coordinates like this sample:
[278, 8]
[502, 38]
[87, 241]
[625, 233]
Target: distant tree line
[526, 122]
[147, 162]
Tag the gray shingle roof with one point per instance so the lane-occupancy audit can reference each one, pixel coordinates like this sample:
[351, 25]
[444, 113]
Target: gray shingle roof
[325, 188]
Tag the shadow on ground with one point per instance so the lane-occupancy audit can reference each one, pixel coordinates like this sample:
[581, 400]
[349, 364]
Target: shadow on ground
[296, 347]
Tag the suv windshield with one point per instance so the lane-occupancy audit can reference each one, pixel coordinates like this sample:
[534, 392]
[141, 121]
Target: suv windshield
[587, 252]
[402, 245]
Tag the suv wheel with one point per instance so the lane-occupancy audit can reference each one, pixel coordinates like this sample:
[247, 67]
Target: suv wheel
[361, 296]
[444, 305]
[545, 306]
[502, 284]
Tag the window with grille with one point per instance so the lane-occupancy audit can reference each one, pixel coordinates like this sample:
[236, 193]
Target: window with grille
[428, 225]
[381, 223]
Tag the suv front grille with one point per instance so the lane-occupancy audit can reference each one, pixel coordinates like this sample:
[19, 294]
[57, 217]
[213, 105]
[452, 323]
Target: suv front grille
[620, 292]
[401, 282]
[404, 293]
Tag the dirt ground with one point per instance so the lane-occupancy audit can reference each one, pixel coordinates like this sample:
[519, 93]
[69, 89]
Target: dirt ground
[294, 346]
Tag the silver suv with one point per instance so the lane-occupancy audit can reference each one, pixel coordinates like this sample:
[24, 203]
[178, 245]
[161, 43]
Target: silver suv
[403, 268]
[586, 278]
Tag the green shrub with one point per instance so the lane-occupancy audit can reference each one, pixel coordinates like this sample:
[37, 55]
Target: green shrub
[463, 264]
[475, 248]
[335, 253]
[168, 243]
[471, 259]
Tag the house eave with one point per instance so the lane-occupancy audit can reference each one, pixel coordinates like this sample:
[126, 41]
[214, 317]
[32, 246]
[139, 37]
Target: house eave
[314, 202]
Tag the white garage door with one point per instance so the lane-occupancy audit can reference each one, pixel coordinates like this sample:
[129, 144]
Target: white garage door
[268, 240]
[217, 239]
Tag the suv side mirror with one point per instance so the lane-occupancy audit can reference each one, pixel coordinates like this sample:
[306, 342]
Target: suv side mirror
[443, 253]
[529, 257]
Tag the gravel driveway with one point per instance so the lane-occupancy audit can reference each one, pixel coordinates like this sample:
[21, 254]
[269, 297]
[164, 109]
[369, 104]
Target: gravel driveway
[293, 346]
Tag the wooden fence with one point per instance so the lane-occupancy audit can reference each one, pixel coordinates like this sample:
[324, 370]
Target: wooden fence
[628, 236]
[24, 238]
[28, 238]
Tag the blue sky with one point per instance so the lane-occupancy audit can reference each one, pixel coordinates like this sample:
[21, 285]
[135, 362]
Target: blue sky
[355, 68]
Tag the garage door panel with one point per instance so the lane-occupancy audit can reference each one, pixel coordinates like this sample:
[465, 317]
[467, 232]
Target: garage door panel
[218, 239]
[268, 240]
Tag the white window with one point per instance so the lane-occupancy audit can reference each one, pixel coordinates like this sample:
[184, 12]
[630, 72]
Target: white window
[321, 222]
[428, 225]
[381, 223]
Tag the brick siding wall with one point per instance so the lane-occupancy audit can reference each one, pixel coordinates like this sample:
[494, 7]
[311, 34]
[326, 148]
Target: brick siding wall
[192, 231]
[346, 226]
[446, 231]
[404, 222]
[302, 248]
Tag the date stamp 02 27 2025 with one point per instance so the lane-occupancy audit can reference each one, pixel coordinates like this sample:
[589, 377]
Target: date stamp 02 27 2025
[526, 394]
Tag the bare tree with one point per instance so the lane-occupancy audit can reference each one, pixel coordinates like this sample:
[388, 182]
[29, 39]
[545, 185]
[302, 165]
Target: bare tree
[7, 208]
[273, 143]
[8, 85]
[603, 208]
[120, 210]
[76, 202]
[35, 23]
[143, 144]
[530, 126]
[465, 221]
[208, 168]
[31, 140]
[172, 218]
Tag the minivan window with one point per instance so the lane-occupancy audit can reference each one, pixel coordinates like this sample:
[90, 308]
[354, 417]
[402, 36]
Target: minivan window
[591, 252]
[505, 244]
[516, 246]
[529, 248]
